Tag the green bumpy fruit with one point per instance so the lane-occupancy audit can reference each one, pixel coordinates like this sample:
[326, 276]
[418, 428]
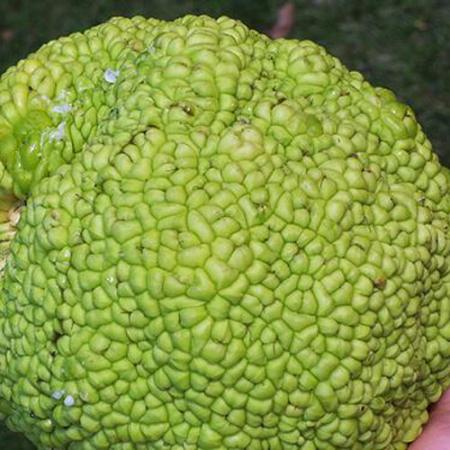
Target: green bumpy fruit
[215, 240]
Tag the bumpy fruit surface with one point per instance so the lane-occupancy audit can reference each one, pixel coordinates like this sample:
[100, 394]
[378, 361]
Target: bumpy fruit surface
[214, 240]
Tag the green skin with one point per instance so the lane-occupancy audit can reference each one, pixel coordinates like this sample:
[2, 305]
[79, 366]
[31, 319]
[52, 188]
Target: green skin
[225, 242]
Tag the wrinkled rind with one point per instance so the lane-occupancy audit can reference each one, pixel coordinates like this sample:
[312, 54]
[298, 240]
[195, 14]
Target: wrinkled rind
[239, 244]
[52, 102]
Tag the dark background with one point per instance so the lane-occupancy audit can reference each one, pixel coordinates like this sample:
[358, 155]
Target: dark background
[400, 44]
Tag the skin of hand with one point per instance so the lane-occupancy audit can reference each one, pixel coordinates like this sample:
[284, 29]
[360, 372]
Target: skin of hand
[436, 434]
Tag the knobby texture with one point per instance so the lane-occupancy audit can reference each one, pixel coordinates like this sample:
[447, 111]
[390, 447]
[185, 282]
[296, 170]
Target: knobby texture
[225, 241]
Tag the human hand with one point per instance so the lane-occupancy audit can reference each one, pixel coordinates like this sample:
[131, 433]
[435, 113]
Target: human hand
[436, 434]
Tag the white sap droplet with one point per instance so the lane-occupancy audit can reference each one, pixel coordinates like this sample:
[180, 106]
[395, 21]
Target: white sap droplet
[58, 395]
[62, 109]
[45, 98]
[62, 96]
[111, 75]
[69, 401]
[59, 133]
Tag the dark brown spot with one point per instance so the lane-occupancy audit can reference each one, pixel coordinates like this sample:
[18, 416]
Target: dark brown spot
[379, 283]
